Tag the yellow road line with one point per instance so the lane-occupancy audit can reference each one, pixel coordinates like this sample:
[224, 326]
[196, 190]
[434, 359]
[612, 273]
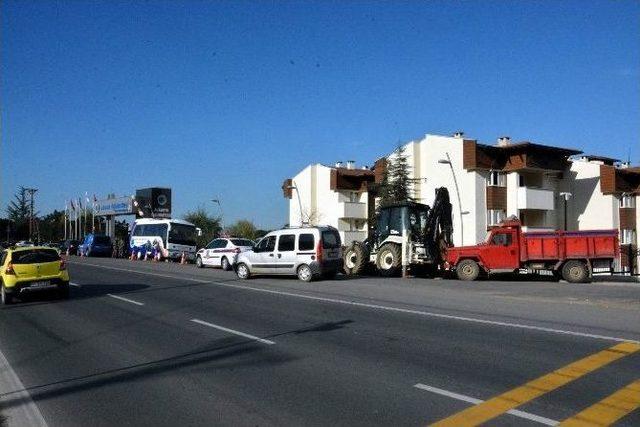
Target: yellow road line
[493, 407]
[608, 410]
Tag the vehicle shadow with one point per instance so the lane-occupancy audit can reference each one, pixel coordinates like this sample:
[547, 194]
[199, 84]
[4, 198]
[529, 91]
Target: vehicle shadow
[227, 353]
[83, 292]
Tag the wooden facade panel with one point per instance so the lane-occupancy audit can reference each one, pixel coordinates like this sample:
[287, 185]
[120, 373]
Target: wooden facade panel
[627, 218]
[350, 179]
[607, 179]
[497, 198]
[379, 169]
[286, 188]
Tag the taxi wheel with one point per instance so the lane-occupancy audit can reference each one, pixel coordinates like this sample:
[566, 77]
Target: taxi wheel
[225, 264]
[63, 290]
[199, 263]
[6, 298]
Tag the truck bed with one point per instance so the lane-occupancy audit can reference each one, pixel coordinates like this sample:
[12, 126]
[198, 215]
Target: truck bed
[559, 245]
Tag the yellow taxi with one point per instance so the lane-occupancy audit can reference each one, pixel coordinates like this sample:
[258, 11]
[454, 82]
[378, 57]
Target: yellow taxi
[30, 269]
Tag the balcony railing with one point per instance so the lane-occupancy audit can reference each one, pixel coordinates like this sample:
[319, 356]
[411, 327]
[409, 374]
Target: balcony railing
[352, 210]
[535, 198]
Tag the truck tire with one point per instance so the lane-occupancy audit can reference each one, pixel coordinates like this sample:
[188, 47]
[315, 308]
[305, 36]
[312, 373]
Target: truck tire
[356, 258]
[575, 271]
[467, 269]
[389, 260]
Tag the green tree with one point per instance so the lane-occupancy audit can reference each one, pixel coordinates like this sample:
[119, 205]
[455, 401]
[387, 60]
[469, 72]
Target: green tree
[243, 228]
[18, 212]
[210, 225]
[51, 226]
[397, 184]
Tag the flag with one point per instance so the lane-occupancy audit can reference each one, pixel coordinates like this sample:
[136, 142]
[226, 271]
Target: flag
[86, 197]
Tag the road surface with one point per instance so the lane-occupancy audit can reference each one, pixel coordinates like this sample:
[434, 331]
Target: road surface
[167, 344]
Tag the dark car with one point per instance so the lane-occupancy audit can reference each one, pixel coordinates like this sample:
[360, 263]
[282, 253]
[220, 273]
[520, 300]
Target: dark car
[70, 246]
[96, 245]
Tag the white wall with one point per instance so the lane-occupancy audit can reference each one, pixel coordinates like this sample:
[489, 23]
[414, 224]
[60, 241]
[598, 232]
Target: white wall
[588, 208]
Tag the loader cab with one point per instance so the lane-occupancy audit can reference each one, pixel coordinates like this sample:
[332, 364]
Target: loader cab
[393, 219]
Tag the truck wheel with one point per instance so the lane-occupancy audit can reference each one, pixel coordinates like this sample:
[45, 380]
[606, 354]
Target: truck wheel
[575, 272]
[389, 260]
[468, 269]
[356, 258]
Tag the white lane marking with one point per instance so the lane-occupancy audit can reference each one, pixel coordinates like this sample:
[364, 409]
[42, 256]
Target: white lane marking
[515, 412]
[125, 299]
[15, 401]
[232, 331]
[384, 307]
[75, 285]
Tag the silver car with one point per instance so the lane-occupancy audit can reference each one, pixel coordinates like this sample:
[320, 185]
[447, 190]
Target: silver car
[307, 252]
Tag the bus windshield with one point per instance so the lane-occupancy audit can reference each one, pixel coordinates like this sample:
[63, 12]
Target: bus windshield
[182, 234]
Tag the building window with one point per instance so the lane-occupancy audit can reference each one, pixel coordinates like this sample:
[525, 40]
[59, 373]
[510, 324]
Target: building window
[497, 179]
[495, 217]
[627, 237]
[627, 201]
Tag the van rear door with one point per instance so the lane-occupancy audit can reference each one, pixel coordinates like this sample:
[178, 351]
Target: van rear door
[331, 245]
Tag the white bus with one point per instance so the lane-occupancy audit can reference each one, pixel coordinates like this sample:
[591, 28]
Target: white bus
[170, 237]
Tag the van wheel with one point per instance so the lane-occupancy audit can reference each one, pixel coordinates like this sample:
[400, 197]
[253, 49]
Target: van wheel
[199, 263]
[304, 273]
[389, 260]
[575, 272]
[468, 270]
[225, 264]
[243, 271]
[6, 297]
[356, 258]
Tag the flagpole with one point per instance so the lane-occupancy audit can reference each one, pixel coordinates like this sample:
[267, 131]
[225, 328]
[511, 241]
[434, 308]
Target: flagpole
[64, 218]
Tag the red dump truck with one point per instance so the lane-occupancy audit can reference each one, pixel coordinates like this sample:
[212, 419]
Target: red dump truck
[571, 255]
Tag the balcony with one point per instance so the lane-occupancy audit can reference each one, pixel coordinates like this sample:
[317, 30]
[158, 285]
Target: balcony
[351, 236]
[535, 198]
[352, 210]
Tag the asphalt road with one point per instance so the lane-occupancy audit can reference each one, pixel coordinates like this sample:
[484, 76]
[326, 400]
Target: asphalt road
[165, 344]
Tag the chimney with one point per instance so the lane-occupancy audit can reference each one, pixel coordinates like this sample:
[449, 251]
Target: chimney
[503, 141]
[351, 164]
[458, 134]
[338, 164]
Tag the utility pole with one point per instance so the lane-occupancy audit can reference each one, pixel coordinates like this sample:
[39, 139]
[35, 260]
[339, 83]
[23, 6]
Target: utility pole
[32, 192]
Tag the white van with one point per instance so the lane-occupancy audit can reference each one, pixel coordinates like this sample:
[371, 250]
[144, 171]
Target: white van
[308, 252]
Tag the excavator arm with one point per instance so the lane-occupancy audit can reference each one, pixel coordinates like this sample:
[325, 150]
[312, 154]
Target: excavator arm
[439, 227]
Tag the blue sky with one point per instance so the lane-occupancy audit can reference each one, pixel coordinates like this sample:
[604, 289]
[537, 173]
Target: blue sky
[222, 98]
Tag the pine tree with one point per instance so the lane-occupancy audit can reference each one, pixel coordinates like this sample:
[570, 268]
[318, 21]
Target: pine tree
[18, 210]
[396, 185]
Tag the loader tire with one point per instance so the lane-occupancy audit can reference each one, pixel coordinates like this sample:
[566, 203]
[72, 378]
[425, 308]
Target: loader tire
[389, 260]
[356, 258]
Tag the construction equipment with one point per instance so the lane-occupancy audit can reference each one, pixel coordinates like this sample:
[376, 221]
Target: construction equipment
[405, 234]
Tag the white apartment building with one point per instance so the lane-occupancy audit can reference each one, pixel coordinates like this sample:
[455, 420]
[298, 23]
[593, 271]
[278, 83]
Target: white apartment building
[336, 196]
[487, 183]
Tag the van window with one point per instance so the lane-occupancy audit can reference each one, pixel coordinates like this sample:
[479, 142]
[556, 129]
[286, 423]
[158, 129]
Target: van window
[306, 242]
[286, 243]
[267, 244]
[330, 239]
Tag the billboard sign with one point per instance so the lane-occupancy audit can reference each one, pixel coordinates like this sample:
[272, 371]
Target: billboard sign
[118, 206]
[155, 201]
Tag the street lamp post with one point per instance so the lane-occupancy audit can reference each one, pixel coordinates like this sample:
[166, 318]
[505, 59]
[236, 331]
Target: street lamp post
[566, 196]
[447, 161]
[295, 187]
[221, 213]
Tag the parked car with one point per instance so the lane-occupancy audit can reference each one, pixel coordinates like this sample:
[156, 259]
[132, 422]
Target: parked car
[308, 252]
[29, 269]
[221, 252]
[24, 243]
[96, 245]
